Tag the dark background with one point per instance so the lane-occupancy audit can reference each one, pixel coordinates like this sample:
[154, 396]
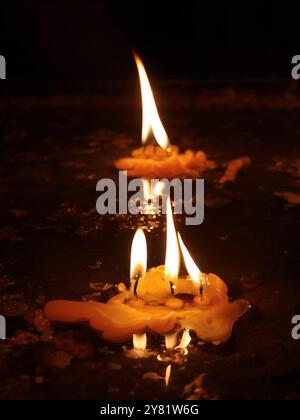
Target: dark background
[62, 41]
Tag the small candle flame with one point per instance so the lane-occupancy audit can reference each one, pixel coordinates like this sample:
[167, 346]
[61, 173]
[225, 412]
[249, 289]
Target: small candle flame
[140, 341]
[168, 375]
[138, 263]
[190, 264]
[185, 340]
[172, 251]
[151, 120]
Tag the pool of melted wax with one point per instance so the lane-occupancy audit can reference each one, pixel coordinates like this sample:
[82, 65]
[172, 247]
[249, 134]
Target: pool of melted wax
[249, 238]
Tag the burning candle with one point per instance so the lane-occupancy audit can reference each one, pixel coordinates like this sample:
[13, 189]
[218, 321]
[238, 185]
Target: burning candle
[172, 260]
[207, 288]
[151, 303]
[159, 159]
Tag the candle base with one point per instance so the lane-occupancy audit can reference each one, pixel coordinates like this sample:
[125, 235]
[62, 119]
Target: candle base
[155, 162]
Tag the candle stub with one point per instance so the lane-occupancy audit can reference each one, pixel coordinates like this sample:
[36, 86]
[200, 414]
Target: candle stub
[155, 162]
[125, 315]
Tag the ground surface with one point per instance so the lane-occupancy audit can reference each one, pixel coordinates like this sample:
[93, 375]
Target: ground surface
[53, 151]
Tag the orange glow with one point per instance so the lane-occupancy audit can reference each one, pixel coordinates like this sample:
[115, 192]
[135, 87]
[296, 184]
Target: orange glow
[172, 251]
[151, 120]
[140, 341]
[138, 262]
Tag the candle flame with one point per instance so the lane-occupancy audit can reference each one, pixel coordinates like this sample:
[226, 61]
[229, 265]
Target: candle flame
[140, 341]
[172, 251]
[168, 375]
[185, 340]
[138, 263]
[190, 264]
[151, 120]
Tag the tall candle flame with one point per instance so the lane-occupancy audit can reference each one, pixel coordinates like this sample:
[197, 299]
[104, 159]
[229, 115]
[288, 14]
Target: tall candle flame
[172, 251]
[151, 120]
[190, 264]
[138, 262]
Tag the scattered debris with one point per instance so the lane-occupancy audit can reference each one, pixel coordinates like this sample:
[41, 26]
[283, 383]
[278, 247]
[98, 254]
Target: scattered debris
[132, 222]
[288, 166]
[251, 281]
[69, 344]
[177, 356]
[41, 300]
[196, 391]
[6, 282]
[115, 366]
[36, 318]
[292, 199]
[13, 307]
[233, 169]
[10, 234]
[85, 224]
[153, 376]
[60, 359]
[23, 338]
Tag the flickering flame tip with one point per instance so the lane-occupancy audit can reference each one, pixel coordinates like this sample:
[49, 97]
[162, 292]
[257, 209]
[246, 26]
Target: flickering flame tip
[138, 260]
[190, 264]
[151, 119]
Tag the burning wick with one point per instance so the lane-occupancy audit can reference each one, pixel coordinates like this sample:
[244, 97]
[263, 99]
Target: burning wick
[138, 262]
